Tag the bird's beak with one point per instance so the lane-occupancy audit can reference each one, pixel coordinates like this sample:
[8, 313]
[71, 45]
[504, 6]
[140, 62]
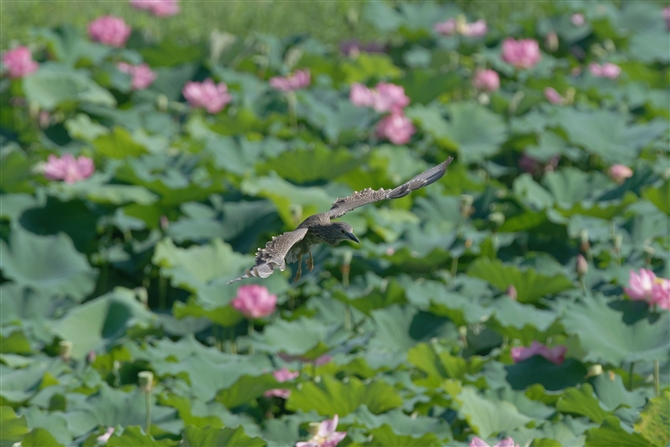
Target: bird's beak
[353, 238]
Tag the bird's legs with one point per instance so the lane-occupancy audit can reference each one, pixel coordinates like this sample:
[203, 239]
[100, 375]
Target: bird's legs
[299, 272]
[310, 261]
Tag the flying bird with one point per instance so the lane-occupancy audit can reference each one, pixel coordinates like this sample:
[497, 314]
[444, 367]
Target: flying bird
[319, 228]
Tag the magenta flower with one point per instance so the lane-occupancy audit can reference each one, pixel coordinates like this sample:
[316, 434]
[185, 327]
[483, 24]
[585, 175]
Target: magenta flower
[475, 29]
[254, 301]
[577, 19]
[141, 75]
[396, 127]
[486, 80]
[666, 16]
[19, 62]
[326, 436]
[640, 285]
[553, 96]
[299, 79]
[389, 97]
[207, 95]
[446, 28]
[606, 70]
[524, 53]
[660, 293]
[507, 442]
[159, 8]
[282, 375]
[109, 30]
[619, 173]
[555, 355]
[361, 96]
[68, 168]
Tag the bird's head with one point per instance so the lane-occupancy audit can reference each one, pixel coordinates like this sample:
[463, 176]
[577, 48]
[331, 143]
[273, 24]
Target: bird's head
[342, 231]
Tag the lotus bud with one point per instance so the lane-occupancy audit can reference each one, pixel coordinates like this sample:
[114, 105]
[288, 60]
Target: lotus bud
[65, 350]
[595, 370]
[497, 218]
[551, 42]
[466, 205]
[511, 292]
[162, 102]
[582, 265]
[619, 173]
[91, 356]
[468, 244]
[145, 380]
[584, 245]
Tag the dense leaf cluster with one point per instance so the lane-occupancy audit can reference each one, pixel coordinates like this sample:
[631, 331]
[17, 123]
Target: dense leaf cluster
[125, 271]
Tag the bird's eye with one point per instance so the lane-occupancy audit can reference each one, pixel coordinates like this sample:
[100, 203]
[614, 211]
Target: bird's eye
[342, 231]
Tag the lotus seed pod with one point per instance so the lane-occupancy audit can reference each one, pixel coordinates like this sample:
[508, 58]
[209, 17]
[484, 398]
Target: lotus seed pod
[145, 380]
[65, 350]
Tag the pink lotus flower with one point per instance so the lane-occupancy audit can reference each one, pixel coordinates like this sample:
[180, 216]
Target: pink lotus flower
[361, 96]
[299, 79]
[282, 375]
[555, 355]
[619, 173]
[606, 70]
[212, 97]
[577, 19]
[326, 436]
[486, 80]
[254, 301]
[660, 293]
[666, 16]
[553, 96]
[640, 285]
[475, 29]
[507, 442]
[524, 53]
[396, 127]
[446, 28]
[68, 168]
[582, 265]
[19, 62]
[142, 76]
[159, 8]
[109, 30]
[389, 97]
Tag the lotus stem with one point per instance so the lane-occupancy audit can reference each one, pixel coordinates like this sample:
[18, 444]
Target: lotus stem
[657, 378]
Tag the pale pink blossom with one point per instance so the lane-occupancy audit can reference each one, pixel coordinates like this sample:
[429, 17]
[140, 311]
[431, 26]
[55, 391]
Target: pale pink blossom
[666, 16]
[326, 436]
[660, 293]
[606, 70]
[582, 266]
[396, 127]
[446, 28]
[18, 62]
[553, 96]
[109, 30]
[103, 438]
[511, 292]
[389, 97]
[507, 442]
[361, 96]
[486, 80]
[619, 173]
[475, 29]
[523, 53]
[640, 285]
[299, 79]
[282, 375]
[68, 168]
[577, 19]
[555, 355]
[141, 75]
[208, 95]
[159, 8]
[254, 301]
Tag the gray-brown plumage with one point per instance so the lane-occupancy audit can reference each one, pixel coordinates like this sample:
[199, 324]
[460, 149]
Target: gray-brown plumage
[318, 228]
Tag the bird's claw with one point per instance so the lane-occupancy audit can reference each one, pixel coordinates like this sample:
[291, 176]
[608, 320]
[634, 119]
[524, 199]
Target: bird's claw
[310, 263]
[297, 276]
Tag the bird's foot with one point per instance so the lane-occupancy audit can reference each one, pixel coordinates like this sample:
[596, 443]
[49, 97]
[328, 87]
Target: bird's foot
[310, 262]
[297, 276]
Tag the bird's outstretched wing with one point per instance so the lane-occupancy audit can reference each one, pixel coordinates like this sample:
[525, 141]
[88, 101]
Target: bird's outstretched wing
[273, 254]
[368, 195]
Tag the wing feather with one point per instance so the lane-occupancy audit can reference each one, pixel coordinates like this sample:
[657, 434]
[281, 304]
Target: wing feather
[272, 256]
[368, 195]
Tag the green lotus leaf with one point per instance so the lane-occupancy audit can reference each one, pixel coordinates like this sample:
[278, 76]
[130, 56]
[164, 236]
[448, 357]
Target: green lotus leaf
[582, 401]
[134, 436]
[13, 427]
[654, 419]
[209, 436]
[488, 417]
[611, 432]
[47, 263]
[659, 196]
[246, 389]
[385, 436]
[51, 87]
[54, 423]
[39, 437]
[368, 66]
[552, 377]
[331, 396]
